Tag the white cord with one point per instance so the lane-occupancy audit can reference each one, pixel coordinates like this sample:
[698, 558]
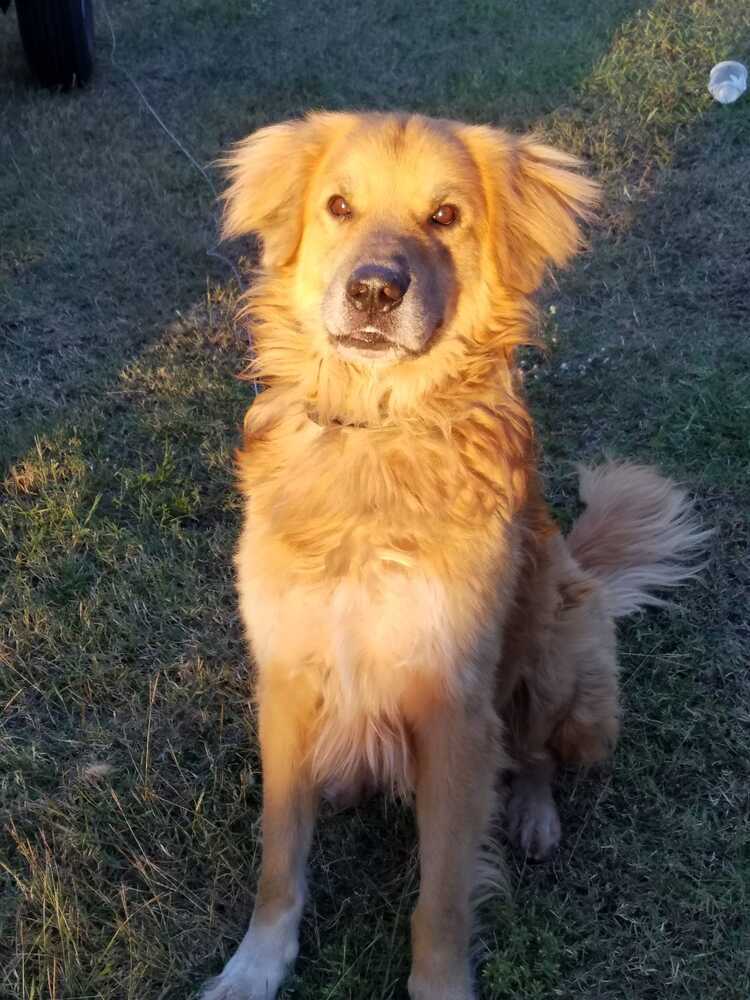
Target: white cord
[212, 251]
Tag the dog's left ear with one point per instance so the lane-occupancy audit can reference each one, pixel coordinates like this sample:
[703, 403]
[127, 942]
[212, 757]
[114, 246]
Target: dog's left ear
[536, 199]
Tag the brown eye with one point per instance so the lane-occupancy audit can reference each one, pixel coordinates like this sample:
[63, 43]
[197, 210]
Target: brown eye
[446, 215]
[339, 207]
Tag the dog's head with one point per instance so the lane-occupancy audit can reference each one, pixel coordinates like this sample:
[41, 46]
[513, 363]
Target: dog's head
[396, 233]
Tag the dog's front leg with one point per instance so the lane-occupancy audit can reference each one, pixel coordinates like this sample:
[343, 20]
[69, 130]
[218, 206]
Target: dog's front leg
[456, 749]
[270, 945]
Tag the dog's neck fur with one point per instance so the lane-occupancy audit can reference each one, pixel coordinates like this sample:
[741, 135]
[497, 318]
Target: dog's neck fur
[465, 393]
[458, 374]
[316, 418]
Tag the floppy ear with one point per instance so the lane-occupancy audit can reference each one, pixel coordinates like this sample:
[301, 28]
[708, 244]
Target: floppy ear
[268, 174]
[536, 200]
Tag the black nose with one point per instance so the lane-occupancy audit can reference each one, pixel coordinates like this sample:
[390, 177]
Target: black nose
[376, 289]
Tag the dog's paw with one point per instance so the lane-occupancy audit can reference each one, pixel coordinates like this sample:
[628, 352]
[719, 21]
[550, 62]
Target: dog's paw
[245, 982]
[256, 969]
[533, 823]
[421, 988]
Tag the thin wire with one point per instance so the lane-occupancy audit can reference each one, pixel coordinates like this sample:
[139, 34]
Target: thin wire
[211, 251]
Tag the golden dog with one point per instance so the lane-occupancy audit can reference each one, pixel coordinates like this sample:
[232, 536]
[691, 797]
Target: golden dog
[417, 620]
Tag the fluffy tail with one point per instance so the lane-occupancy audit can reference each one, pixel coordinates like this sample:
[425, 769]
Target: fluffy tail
[638, 534]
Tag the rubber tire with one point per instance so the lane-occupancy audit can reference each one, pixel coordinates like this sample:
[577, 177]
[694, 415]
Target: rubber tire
[58, 39]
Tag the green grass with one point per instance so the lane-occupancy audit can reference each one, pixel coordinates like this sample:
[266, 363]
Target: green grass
[129, 790]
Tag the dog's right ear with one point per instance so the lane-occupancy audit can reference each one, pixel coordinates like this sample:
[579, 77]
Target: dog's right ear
[268, 174]
[536, 200]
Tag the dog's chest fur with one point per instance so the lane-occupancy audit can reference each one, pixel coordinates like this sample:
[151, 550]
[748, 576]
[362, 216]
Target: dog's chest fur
[370, 563]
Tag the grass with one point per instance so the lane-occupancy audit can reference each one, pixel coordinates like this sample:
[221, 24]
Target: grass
[130, 787]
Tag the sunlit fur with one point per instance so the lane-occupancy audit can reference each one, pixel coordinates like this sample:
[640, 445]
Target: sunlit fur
[398, 564]
[421, 512]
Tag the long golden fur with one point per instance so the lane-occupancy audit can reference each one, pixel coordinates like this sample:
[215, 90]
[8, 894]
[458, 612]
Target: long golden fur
[416, 618]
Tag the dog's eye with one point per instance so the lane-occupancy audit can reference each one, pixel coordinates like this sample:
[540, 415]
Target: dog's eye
[446, 215]
[339, 207]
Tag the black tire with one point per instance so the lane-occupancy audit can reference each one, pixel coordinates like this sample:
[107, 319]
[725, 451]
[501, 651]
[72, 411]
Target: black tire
[58, 39]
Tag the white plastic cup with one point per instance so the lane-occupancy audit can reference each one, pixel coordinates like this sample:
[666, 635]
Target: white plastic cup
[727, 82]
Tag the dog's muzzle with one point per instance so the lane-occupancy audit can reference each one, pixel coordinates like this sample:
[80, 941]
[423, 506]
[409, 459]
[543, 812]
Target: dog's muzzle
[385, 304]
[373, 292]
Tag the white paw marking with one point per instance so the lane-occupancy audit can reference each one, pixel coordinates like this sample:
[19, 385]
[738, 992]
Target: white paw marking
[425, 988]
[259, 965]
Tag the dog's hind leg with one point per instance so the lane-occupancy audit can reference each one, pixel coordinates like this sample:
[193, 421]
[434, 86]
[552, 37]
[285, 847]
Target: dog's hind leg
[584, 733]
[532, 820]
[532, 817]
[566, 710]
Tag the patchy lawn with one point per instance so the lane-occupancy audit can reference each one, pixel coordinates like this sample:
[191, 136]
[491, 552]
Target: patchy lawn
[130, 787]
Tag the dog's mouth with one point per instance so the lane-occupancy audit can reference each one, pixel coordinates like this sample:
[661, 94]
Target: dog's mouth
[371, 340]
[367, 342]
